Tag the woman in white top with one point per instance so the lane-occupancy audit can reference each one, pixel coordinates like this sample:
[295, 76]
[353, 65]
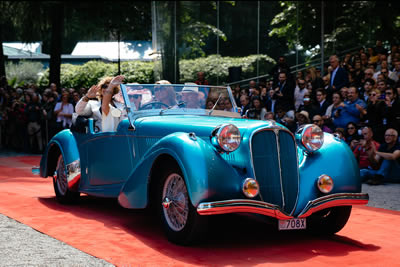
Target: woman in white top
[63, 110]
[99, 104]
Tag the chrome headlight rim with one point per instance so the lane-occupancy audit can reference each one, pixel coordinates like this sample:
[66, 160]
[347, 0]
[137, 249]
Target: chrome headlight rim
[310, 137]
[226, 137]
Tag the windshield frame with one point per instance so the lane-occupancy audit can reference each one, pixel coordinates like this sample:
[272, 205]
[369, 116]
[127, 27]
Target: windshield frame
[134, 114]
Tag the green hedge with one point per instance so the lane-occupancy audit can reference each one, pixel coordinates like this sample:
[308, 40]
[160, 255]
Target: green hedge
[214, 66]
[24, 72]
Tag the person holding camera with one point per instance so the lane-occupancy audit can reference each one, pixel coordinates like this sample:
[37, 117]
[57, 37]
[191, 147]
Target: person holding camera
[385, 160]
[332, 114]
[363, 147]
[63, 111]
[33, 112]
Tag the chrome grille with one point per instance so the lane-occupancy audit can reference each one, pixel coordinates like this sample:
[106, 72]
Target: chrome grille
[275, 166]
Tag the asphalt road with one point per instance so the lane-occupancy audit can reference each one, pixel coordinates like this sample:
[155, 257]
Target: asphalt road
[20, 245]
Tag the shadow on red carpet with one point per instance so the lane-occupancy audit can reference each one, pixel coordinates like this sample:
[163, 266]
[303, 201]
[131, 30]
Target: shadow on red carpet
[104, 229]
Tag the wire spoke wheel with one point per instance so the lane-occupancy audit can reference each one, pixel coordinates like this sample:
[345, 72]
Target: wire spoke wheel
[64, 194]
[175, 193]
[61, 177]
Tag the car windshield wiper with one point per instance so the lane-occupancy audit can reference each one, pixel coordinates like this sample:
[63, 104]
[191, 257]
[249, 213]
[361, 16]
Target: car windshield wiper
[216, 103]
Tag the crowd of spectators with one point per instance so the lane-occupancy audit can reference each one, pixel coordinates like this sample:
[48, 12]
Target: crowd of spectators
[30, 118]
[358, 99]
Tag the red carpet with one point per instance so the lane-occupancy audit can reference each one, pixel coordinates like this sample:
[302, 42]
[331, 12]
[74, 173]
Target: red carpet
[124, 237]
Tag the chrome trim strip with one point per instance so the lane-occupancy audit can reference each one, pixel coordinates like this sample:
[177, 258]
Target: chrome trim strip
[241, 205]
[271, 210]
[278, 149]
[339, 199]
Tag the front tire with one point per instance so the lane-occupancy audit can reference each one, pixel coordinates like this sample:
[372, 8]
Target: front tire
[329, 221]
[60, 183]
[180, 220]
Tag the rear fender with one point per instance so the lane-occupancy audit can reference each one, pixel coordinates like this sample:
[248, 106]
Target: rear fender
[63, 143]
[204, 171]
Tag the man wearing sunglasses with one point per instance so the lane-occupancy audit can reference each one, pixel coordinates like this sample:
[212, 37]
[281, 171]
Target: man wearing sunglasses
[387, 157]
[136, 99]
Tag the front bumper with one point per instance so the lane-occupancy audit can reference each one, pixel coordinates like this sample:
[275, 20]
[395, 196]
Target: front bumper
[259, 207]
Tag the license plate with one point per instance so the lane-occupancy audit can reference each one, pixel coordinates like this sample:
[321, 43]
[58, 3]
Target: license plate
[292, 224]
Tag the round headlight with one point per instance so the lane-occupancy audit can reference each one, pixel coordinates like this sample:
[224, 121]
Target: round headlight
[250, 187]
[311, 137]
[325, 183]
[227, 137]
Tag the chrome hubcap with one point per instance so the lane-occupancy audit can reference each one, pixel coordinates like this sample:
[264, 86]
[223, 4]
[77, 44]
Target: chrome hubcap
[61, 177]
[166, 203]
[175, 202]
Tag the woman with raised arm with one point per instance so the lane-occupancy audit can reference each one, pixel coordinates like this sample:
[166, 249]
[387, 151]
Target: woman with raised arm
[100, 104]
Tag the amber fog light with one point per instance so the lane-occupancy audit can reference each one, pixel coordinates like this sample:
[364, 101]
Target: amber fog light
[250, 187]
[325, 183]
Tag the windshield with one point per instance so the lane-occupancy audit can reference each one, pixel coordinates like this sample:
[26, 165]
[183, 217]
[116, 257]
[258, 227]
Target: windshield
[144, 97]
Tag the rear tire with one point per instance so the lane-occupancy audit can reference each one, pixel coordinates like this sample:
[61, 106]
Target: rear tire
[328, 221]
[180, 220]
[60, 183]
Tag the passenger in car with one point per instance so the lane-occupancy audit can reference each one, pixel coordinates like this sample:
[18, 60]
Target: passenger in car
[190, 95]
[135, 98]
[99, 104]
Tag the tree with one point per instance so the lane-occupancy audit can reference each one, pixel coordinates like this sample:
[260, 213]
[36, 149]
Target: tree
[7, 11]
[347, 23]
[181, 33]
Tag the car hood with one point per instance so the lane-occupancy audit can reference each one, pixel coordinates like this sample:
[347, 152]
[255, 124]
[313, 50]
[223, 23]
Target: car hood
[202, 126]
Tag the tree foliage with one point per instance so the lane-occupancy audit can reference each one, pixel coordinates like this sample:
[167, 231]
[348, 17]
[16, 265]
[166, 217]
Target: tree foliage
[347, 23]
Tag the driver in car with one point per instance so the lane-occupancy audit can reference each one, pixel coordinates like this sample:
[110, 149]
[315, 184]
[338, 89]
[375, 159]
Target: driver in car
[165, 94]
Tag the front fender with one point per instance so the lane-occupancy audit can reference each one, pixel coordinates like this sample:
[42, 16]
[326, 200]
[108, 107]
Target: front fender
[64, 142]
[207, 175]
[334, 159]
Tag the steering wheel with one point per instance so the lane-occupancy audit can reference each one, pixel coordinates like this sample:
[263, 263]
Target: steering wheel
[153, 105]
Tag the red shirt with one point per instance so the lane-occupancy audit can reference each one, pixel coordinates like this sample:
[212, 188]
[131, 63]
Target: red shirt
[361, 154]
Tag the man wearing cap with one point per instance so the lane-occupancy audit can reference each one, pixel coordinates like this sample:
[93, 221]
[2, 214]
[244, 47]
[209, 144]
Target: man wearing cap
[302, 118]
[190, 95]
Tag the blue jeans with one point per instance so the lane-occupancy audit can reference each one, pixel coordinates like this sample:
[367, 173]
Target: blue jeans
[390, 170]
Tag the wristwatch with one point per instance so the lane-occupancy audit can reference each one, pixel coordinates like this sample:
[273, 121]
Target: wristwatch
[85, 98]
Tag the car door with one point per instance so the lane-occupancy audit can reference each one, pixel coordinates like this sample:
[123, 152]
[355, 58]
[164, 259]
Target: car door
[109, 158]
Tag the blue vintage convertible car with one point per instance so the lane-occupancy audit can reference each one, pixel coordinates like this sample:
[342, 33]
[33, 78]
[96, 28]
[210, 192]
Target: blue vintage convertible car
[193, 156]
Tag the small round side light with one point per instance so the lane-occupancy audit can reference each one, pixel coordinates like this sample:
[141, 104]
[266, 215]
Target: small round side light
[250, 187]
[325, 183]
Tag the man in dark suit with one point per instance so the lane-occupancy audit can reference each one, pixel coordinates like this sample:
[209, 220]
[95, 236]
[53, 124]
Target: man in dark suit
[284, 92]
[281, 66]
[391, 113]
[339, 77]
[323, 104]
